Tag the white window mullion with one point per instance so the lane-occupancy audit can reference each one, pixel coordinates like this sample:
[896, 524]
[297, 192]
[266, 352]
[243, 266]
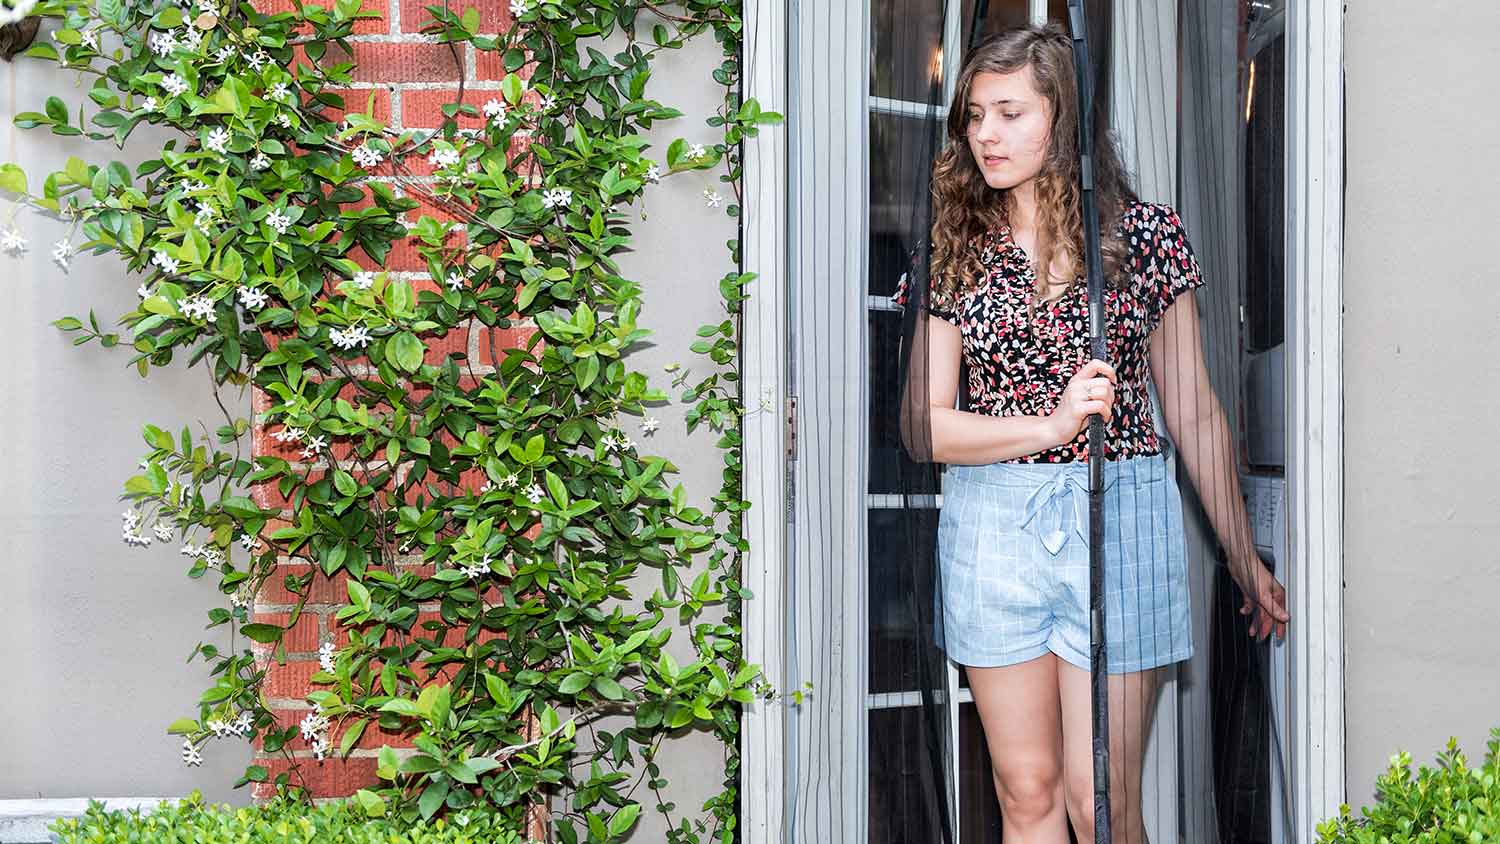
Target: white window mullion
[1038, 11]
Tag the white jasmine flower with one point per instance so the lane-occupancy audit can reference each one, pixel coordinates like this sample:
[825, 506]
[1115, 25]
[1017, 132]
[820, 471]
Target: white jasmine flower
[143, 291]
[313, 726]
[649, 425]
[131, 518]
[547, 103]
[510, 481]
[487, 487]
[260, 162]
[280, 91]
[556, 198]
[354, 335]
[214, 556]
[225, 54]
[197, 187]
[244, 724]
[204, 217]
[364, 281]
[200, 307]
[534, 493]
[325, 657]
[62, 252]
[167, 263]
[217, 140]
[251, 298]
[241, 598]
[456, 282]
[163, 43]
[443, 157]
[288, 435]
[12, 241]
[190, 754]
[320, 748]
[519, 7]
[191, 38]
[148, 104]
[479, 569]
[132, 536]
[315, 445]
[278, 221]
[284, 120]
[191, 550]
[174, 85]
[163, 531]
[366, 156]
[256, 59]
[653, 173]
[250, 542]
[219, 728]
[696, 151]
[494, 111]
[89, 38]
[712, 197]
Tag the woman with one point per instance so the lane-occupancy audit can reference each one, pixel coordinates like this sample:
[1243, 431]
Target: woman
[1006, 297]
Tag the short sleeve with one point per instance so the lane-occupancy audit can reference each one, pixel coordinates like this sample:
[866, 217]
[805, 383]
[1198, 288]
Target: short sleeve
[1164, 264]
[938, 304]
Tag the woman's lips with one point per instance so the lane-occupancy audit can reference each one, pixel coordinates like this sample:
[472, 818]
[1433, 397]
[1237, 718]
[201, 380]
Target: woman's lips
[992, 160]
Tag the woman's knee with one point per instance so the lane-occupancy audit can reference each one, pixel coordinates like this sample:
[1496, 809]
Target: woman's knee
[1028, 791]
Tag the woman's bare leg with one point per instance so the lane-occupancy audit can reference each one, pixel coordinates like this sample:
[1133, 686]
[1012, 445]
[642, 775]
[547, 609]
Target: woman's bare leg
[1022, 717]
[1132, 705]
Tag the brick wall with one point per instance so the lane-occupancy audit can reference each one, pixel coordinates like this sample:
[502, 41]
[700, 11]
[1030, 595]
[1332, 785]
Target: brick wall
[411, 78]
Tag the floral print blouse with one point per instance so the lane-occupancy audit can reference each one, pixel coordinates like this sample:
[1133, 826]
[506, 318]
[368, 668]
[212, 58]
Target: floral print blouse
[1019, 366]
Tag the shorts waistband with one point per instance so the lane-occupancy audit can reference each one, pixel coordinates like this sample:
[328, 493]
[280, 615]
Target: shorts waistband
[1137, 469]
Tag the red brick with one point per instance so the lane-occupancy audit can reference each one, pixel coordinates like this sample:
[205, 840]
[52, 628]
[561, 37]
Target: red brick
[358, 100]
[328, 778]
[301, 638]
[494, 15]
[423, 108]
[515, 337]
[362, 26]
[489, 66]
[291, 680]
[389, 63]
[321, 590]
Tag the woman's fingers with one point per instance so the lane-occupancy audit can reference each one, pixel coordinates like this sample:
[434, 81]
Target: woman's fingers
[1096, 368]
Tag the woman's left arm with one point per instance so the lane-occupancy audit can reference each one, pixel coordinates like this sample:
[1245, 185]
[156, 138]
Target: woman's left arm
[1197, 424]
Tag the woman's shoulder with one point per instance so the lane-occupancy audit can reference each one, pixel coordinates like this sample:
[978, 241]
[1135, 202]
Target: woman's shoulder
[1140, 215]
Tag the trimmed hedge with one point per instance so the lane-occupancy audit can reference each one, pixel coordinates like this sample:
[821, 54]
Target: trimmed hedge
[359, 820]
[1451, 804]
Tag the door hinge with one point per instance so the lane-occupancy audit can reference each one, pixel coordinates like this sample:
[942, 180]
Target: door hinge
[791, 427]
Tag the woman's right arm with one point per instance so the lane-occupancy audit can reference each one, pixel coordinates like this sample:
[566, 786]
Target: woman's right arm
[966, 437]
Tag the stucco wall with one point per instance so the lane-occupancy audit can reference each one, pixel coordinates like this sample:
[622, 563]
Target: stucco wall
[1422, 306]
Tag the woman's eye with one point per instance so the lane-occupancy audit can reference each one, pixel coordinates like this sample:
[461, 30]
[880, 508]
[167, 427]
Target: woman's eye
[1011, 115]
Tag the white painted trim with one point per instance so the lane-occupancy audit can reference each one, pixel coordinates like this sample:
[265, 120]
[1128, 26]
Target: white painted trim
[1314, 377]
[1038, 11]
[763, 368]
[26, 821]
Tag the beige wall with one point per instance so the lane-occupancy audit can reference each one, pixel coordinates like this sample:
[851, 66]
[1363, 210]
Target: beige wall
[1421, 323]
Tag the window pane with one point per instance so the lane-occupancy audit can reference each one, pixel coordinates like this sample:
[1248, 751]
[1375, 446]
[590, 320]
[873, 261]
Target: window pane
[887, 459]
[904, 58]
[979, 809]
[893, 628]
[898, 775]
[1002, 14]
[901, 153]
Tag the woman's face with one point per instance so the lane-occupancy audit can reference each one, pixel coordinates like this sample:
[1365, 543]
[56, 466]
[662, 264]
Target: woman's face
[1009, 127]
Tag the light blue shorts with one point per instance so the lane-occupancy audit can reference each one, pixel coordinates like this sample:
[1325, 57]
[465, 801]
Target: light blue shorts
[1014, 563]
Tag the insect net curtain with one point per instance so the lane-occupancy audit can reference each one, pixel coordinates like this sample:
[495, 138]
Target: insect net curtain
[1213, 768]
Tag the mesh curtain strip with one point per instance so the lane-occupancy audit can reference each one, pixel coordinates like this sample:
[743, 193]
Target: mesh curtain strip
[1175, 83]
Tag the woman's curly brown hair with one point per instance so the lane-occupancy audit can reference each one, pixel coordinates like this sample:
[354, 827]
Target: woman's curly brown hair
[966, 207]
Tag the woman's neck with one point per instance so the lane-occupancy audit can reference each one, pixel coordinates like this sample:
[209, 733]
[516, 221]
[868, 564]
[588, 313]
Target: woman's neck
[1021, 206]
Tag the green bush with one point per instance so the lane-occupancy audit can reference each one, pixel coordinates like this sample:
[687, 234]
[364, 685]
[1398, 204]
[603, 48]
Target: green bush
[357, 821]
[1452, 804]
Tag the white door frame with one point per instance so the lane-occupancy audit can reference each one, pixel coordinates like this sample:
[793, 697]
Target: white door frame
[1314, 211]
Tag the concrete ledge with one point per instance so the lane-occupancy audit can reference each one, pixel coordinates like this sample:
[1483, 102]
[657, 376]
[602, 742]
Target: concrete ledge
[26, 821]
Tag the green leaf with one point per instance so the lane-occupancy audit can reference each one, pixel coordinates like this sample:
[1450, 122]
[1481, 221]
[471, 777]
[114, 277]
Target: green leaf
[574, 683]
[609, 688]
[432, 799]
[406, 350]
[263, 633]
[351, 737]
[12, 178]
[624, 819]
[183, 726]
[57, 110]
[344, 482]
[471, 20]
[555, 486]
